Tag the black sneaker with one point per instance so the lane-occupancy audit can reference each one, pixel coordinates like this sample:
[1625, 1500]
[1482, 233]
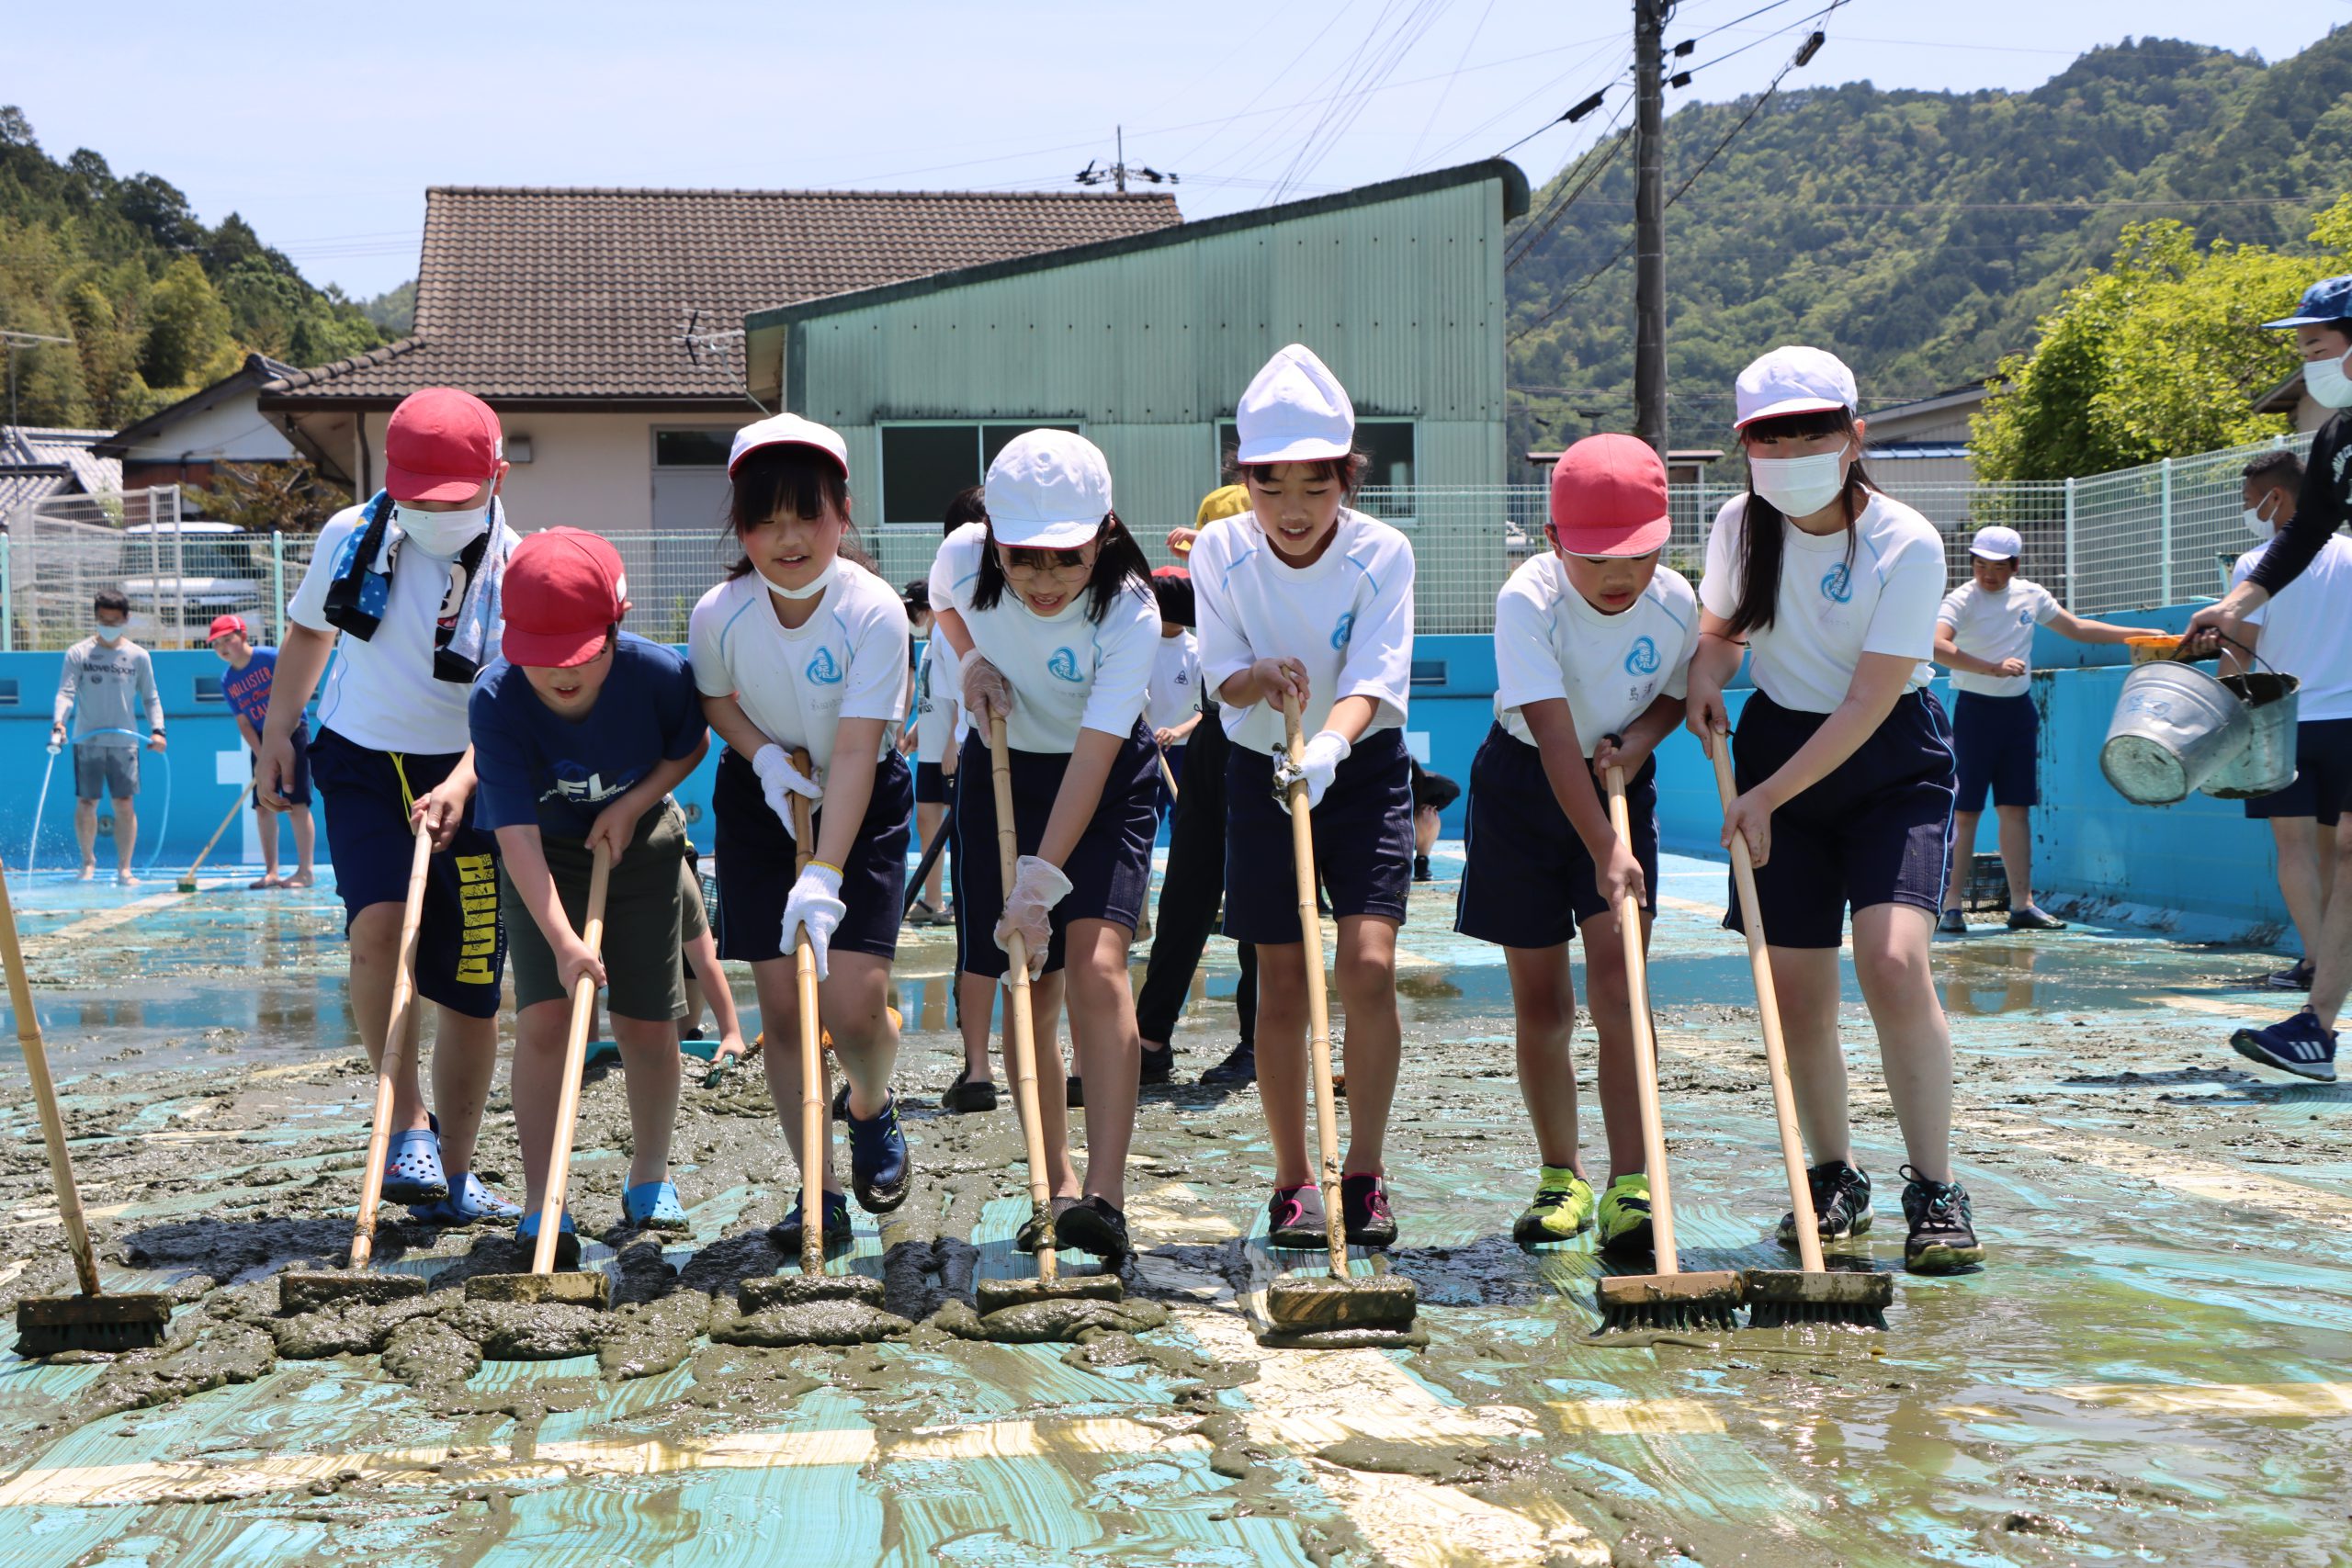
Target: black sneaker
[2297, 977]
[1239, 1067]
[1942, 1239]
[1156, 1066]
[2296, 1045]
[1295, 1218]
[964, 1098]
[786, 1235]
[1363, 1209]
[2034, 918]
[1032, 1229]
[1953, 923]
[1420, 868]
[841, 1102]
[1841, 1204]
[1091, 1224]
[1073, 1093]
[880, 1171]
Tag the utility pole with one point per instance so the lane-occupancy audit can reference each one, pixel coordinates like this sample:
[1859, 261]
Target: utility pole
[1116, 175]
[1649, 222]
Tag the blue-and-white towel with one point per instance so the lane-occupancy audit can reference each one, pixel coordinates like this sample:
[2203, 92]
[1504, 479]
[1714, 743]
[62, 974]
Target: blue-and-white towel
[466, 637]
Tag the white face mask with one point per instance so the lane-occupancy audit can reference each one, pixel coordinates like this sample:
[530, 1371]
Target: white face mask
[106, 633]
[442, 534]
[1799, 486]
[2325, 379]
[823, 580]
[2258, 524]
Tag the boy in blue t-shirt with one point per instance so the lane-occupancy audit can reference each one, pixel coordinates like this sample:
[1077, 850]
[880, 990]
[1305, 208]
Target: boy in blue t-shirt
[580, 732]
[247, 687]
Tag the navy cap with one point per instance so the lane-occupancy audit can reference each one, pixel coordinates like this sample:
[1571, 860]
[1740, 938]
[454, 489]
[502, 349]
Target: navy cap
[2327, 301]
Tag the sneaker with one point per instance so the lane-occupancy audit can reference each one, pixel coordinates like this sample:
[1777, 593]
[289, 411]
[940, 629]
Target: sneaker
[2297, 978]
[1238, 1068]
[1943, 1238]
[1032, 1229]
[567, 1240]
[653, 1206]
[2034, 918]
[879, 1170]
[1953, 923]
[1420, 868]
[1156, 1066]
[1841, 1204]
[1364, 1208]
[964, 1098]
[1297, 1219]
[1625, 1213]
[923, 913]
[2297, 1045]
[1562, 1210]
[786, 1233]
[841, 1102]
[1073, 1093]
[1091, 1224]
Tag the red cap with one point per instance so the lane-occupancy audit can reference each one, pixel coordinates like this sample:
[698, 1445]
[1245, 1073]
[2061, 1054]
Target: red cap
[1608, 498]
[223, 625]
[562, 589]
[441, 444]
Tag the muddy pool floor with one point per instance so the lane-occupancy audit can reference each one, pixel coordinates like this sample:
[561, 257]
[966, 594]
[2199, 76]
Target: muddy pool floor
[2151, 1370]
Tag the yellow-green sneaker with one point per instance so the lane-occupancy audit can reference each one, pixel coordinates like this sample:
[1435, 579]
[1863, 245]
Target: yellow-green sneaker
[1562, 1210]
[1625, 1213]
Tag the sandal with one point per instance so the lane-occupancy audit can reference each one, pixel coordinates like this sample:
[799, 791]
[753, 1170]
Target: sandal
[413, 1172]
[471, 1204]
[567, 1241]
[653, 1206]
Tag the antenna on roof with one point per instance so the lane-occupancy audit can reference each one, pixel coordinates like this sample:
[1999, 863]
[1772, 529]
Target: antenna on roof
[1119, 173]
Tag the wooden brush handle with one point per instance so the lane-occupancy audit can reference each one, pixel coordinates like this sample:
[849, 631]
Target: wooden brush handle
[816, 1147]
[1768, 1009]
[1637, 997]
[1020, 1039]
[575, 1060]
[1318, 1006]
[399, 1029]
[52, 1124]
[235, 806]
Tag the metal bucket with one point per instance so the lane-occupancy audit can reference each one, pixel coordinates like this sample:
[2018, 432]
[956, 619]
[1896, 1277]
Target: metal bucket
[2267, 763]
[2175, 727]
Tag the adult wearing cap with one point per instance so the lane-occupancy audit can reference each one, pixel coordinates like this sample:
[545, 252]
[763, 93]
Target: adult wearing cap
[2306, 1043]
[1303, 598]
[246, 689]
[1048, 607]
[1984, 637]
[803, 648]
[580, 731]
[1846, 777]
[406, 587]
[1193, 891]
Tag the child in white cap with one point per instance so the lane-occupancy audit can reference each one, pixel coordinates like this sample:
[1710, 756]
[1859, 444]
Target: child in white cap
[1048, 607]
[1302, 596]
[1845, 770]
[1984, 637]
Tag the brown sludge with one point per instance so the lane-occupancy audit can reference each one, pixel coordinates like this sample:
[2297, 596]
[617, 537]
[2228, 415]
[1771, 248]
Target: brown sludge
[308, 1290]
[592, 1288]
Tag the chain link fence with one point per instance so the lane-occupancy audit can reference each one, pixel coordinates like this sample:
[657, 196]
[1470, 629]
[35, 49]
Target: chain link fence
[2141, 537]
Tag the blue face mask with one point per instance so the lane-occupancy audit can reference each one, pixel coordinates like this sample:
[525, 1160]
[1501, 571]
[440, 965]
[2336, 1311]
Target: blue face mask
[108, 633]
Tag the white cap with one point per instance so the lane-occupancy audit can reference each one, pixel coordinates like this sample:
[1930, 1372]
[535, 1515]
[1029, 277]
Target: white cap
[1996, 543]
[1049, 489]
[1793, 380]
[1294, 412]
[788, 430]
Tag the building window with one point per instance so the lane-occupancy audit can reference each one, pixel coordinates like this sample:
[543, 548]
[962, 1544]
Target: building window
[1386, 444]
[924, 467]
[692, 449]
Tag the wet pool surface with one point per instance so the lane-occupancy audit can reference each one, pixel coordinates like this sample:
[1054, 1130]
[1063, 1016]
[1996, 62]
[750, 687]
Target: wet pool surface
[2151, 1369]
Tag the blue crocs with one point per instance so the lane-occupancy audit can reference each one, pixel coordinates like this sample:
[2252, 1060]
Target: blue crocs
[567, 1243]
[787, 1235]
[653, 1206]
[879, 1167]
[413, 1172]
[2296, 1045]
[471, 1204]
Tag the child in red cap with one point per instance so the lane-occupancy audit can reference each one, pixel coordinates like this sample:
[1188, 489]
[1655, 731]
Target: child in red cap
[579, 733]
[1592, 641]
[406, 588]
[246, 689]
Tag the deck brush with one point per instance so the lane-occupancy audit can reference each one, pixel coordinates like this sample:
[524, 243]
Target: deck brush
[187, 881]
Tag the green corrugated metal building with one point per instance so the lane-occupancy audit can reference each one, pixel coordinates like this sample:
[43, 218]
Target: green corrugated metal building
[1145, 344]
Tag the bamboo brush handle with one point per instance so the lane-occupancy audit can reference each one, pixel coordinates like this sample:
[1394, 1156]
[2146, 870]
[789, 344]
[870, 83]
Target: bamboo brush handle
[1637, 996]
[235, 806]
[575, 1060]
[1318, 1006]
[400, 1027]
[816, 1150]
[52, 1124]
[1020, 1040]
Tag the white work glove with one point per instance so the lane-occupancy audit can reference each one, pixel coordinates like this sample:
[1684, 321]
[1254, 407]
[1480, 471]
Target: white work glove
[814, 905]
[1317, 763]
[780, 781]
[1037, 886]
[986, 691]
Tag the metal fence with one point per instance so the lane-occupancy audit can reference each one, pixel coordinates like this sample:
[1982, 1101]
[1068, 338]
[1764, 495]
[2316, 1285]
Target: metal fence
[2135, 539]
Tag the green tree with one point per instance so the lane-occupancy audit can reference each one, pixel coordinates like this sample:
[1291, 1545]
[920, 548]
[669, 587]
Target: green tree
[2158, 355]
[188, 329]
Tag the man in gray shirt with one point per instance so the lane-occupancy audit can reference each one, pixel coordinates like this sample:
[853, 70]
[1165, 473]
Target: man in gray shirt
[106, 680]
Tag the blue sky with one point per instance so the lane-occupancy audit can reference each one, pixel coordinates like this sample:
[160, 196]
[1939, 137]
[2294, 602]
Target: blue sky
[324, 125]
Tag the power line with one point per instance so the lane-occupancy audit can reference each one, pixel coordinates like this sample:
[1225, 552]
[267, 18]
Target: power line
[1535, 235]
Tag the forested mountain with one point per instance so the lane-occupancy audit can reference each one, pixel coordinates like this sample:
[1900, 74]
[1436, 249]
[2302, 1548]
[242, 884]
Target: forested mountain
[1919, 234]
[156, 303]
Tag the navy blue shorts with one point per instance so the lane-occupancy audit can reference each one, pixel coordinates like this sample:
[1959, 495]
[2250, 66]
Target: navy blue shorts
[757, 860]
[1527, 879]
[931, 786]
[1363, 840]
[2323, 786]
[1877, 830]
[1110, 870]
[1996, 741]
[461, 943]
[297, 789]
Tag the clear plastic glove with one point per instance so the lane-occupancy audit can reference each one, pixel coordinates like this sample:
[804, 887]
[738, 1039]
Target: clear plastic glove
[1037, 886]
[780, 781]
[814, 905]
[1319, 762]
[986, 691]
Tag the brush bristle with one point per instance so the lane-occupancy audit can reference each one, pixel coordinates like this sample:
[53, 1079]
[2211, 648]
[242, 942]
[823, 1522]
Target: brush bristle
[1803, 1314]
[50, 1339]
[1684, 1316]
